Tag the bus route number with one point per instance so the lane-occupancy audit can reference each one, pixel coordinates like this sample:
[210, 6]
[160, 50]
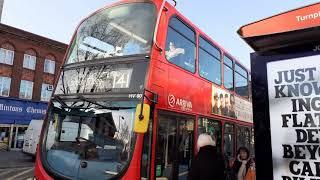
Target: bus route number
[121, 78]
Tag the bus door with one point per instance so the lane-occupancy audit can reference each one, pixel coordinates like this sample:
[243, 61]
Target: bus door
[174, 149]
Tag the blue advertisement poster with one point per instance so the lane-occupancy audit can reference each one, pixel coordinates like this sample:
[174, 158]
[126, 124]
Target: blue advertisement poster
[13, 111]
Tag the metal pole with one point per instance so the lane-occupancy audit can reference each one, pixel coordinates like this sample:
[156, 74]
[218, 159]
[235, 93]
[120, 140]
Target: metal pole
[10, 136]
[15, 138]
[1, 9]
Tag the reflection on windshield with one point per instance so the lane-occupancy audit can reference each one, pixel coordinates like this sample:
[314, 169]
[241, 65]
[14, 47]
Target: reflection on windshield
[82, 131]
[117, 31]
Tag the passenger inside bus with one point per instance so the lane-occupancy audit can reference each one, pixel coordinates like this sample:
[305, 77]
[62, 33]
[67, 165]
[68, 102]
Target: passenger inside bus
[174, 147]
[179, 49]
[228, 140]
[173, 51]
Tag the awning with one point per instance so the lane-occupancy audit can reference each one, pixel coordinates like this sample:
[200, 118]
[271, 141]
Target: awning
[291, 28]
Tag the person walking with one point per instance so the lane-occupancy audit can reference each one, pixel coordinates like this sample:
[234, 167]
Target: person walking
[208, 164]
[244, 166]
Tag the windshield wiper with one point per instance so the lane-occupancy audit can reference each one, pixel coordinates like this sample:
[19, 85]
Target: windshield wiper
[64, 105]
[82, 98]
[116, 108]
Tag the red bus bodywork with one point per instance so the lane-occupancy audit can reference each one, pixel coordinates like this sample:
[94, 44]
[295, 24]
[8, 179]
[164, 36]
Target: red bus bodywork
[165, 78]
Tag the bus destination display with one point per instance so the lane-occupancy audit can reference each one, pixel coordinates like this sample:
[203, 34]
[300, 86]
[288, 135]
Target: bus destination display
[93, 79]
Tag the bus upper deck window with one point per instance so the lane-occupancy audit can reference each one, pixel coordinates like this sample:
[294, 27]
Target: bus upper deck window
[180, 45]
[122, 30]
[241, 81]
[228, 73]
[209, 61]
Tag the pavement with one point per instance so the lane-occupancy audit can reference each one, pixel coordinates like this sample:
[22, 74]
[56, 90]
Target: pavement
[25, 173]
[15, 165]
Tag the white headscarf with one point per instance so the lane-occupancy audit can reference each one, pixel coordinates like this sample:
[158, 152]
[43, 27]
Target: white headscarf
[204, 140]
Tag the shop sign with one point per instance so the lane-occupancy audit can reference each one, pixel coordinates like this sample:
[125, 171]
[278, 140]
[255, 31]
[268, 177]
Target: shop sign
[28, 109]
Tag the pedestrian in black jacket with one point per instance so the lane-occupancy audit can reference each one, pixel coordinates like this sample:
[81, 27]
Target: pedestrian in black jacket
[207, 164]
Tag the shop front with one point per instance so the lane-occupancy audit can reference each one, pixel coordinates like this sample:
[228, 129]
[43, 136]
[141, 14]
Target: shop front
[15, 116]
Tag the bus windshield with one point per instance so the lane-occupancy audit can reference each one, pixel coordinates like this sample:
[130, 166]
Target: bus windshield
[113, 32]
[89, 139]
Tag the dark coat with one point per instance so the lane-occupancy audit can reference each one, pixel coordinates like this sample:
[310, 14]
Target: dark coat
[207, 165]
[237, 165]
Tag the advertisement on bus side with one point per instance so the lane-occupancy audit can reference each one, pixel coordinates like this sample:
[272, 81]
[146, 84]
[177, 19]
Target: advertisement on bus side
[226, 104]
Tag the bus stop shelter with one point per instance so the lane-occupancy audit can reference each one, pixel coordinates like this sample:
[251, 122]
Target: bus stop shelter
[285, 71]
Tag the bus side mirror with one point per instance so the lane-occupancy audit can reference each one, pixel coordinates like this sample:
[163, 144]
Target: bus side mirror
[141, 122]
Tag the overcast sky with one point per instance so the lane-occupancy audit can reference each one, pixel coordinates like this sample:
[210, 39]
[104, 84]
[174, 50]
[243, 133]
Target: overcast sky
[57, 19]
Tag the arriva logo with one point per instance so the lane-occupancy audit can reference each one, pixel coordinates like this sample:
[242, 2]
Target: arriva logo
[183, 104]
[171, 100]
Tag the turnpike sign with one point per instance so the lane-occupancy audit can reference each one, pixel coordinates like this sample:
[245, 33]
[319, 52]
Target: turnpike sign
[294, 104]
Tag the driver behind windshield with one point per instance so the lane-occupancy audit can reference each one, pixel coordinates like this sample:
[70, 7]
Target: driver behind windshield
[104, 137]
[104, 132]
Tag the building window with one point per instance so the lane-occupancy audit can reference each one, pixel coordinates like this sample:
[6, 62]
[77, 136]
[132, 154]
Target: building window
[241, 79]
[5, 83]
[26, 88]
[29, 62]
[6, 56]
[49, 66]
[228, 73]
[46, 92]
[209, 62]
[180, 45]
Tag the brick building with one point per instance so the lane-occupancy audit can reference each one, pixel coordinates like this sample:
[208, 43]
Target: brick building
[28, 68]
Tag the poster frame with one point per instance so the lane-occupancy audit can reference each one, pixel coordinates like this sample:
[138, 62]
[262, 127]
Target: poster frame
[261, 112]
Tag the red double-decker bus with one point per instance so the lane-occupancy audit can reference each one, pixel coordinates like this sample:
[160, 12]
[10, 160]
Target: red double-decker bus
[139, 83]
